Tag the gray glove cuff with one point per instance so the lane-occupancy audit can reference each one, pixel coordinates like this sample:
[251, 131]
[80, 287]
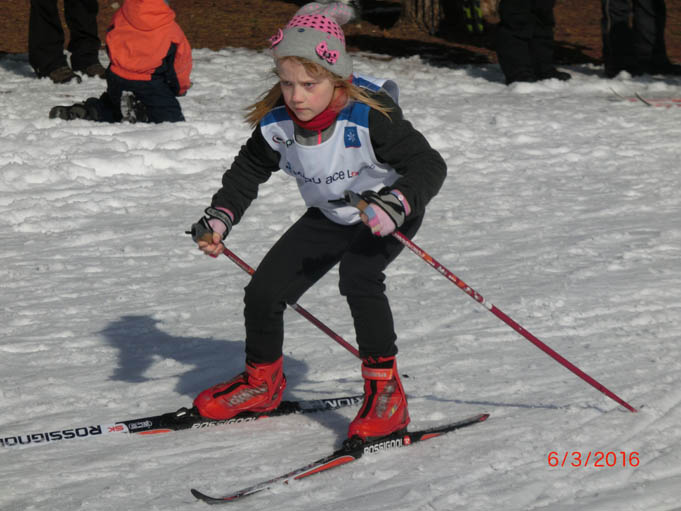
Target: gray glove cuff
[214, 213]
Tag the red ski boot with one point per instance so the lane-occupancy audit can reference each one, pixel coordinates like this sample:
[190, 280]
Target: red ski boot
[258, 389]
[384, 410]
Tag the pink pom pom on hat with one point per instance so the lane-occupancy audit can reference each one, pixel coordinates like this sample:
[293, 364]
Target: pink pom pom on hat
[314, 33]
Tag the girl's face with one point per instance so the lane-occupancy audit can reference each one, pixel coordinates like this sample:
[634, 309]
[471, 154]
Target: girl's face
[305, 95]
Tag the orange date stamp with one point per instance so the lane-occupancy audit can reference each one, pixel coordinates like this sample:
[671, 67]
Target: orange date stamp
[594, 459]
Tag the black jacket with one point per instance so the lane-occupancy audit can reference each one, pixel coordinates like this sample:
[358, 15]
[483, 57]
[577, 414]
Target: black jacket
[395, 142]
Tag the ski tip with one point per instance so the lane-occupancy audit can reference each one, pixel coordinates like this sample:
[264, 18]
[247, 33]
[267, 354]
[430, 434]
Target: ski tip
[198, 494]
[206, 498]
[642, 99]
[484, 417]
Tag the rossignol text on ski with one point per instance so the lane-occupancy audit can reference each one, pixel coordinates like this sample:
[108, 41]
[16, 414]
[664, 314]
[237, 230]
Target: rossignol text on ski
[184, 418]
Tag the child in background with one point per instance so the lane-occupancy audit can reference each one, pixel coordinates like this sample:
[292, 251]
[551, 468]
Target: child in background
[151, 62]
[332, 131]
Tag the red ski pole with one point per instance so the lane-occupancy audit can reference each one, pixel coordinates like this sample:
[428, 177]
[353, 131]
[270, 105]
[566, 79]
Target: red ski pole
[356, 200]
[299, 309]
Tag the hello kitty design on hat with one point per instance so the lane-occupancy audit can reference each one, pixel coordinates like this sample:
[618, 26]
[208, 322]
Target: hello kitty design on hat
[315, 33]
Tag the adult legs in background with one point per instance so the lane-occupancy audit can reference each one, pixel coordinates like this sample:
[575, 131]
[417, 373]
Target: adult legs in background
[84, 43]
[46, 39]
[542, 43]
[514, 36]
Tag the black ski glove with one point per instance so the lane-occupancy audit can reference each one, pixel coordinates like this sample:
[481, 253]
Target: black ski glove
[215, 220]
[385, 213]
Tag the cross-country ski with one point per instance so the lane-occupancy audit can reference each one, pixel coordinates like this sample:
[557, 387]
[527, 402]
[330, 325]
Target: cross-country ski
[347, 454]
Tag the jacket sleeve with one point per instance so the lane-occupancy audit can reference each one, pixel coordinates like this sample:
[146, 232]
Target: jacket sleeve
[253, 166]
[397, 143]
[183, 62]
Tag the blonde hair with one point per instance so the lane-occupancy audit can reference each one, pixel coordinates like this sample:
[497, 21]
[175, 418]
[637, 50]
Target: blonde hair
[271, 98]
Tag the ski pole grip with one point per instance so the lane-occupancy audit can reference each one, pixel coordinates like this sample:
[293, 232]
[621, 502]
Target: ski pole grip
[356, 200]
[201, 232]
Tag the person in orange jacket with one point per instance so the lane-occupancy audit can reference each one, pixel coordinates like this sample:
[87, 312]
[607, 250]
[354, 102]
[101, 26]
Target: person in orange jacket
[151, 62]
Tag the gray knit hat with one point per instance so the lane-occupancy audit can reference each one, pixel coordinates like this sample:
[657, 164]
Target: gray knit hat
[314, 33]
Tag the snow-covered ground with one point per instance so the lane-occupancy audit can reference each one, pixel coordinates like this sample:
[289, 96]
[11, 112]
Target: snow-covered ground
[561, 207]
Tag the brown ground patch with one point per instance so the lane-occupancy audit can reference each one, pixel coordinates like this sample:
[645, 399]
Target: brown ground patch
[216, 24]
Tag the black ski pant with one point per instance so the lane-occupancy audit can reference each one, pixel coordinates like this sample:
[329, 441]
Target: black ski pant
[633, 46]
[302, 256]
[525, 38]
[46, 35]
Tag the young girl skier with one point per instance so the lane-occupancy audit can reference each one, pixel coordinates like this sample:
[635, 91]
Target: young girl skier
[332, 131]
